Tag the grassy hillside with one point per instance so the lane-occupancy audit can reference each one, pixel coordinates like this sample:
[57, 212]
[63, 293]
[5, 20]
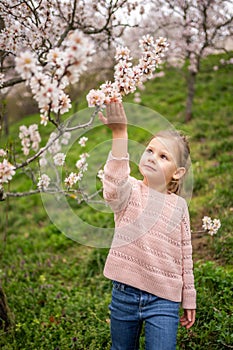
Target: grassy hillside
[55, 286]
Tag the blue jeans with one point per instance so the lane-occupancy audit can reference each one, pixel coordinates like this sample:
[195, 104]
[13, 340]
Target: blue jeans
[130, 307]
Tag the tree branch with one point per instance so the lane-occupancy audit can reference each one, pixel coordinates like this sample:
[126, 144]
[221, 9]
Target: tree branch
[12, 82]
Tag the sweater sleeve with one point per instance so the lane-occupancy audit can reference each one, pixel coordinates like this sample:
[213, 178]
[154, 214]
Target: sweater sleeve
[188, 291]
[116, 184]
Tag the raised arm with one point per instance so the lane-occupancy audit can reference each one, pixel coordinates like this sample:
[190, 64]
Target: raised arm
[116, 120]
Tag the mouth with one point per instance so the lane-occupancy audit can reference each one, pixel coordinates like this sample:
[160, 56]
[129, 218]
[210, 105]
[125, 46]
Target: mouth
[149, 167]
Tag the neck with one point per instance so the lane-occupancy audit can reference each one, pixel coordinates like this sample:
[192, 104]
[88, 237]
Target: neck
[159, 188]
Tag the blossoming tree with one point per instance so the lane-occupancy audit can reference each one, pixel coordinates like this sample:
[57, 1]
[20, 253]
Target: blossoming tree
[48, 44]
[194, 29]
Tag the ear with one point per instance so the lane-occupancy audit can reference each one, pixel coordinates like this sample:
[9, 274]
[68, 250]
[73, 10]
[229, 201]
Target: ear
[179, 173]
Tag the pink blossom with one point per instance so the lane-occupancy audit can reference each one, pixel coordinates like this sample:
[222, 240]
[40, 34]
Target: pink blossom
[122, 53]
[44, 181]
[95, 98]
[65, 138]
[2, 153]
[59, 159]
[100, 174]
[7, 170]
[83, 141]
[26, 64]
[211, 226]
[30, 138]
[128, 77]
[71, 180]
[44, 119]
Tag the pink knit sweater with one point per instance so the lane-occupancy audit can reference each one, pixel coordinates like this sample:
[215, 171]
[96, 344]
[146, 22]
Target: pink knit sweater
[151, 249]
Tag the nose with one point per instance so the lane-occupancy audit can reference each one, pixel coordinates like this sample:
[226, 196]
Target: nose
[152, 158]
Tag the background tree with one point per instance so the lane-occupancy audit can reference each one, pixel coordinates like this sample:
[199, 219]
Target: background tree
[194, 29]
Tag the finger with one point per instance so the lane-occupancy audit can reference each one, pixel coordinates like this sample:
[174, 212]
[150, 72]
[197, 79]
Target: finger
[102, 118]
[189, 315]
[183, 318]
[121, 111]
[190, 324]
[112, 109]
[184, 322]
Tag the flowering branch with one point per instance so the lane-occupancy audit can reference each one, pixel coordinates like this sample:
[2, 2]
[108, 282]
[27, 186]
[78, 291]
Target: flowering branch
[47, 84]
[210, 226]
[128, 77]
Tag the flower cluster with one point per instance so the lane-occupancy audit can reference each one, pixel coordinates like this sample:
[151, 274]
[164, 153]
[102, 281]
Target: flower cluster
[83, 141]
[211, 226]
[30, 138]
[71, 180]
[81, 165]
[62, 66]
[55, 148]
[7, 170]
[59, 159]
[2, 153]
[100, 174]
[223, 62]
[126, 76]
[43, 183]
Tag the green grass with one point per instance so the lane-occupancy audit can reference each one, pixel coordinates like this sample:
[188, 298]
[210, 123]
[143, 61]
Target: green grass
[55, 287]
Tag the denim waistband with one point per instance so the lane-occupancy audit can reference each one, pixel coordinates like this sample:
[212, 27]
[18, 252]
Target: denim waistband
[126, 287]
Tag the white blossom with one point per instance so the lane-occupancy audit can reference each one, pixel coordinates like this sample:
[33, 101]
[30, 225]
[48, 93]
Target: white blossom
[7, 170]
[95, 98]
[55, 146]
[44, 181]
[127, 77]
[71, 180]
[82, 162]
[43, 161]
[211, 226]
[26, 64]
[59, 159]
[44, 119]
[30, 138]
[2, 153]
[100, 174]
[83, 141]
[65, 138]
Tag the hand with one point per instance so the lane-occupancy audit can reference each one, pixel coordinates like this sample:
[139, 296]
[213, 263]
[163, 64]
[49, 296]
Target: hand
[188, 318]
[115, 117]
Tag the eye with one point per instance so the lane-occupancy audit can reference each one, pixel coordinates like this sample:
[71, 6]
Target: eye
[149, 150]
[163, 156]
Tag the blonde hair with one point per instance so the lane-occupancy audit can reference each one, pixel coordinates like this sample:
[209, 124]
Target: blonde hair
[175, 186]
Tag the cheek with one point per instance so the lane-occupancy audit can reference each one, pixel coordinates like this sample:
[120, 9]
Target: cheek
[142, 159]
[142, 162]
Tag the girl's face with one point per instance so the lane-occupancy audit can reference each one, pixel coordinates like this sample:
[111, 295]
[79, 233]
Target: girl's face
[158, 164]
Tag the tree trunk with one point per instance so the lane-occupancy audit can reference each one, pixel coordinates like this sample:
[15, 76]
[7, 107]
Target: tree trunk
[5, 320]
[6, 124]
[191, 90]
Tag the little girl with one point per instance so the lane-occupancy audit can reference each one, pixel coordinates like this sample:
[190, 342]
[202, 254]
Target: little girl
[150, 260]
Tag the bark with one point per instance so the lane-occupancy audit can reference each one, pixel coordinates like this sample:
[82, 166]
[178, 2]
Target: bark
[6, 124]
[191, 91]
[5, 320]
